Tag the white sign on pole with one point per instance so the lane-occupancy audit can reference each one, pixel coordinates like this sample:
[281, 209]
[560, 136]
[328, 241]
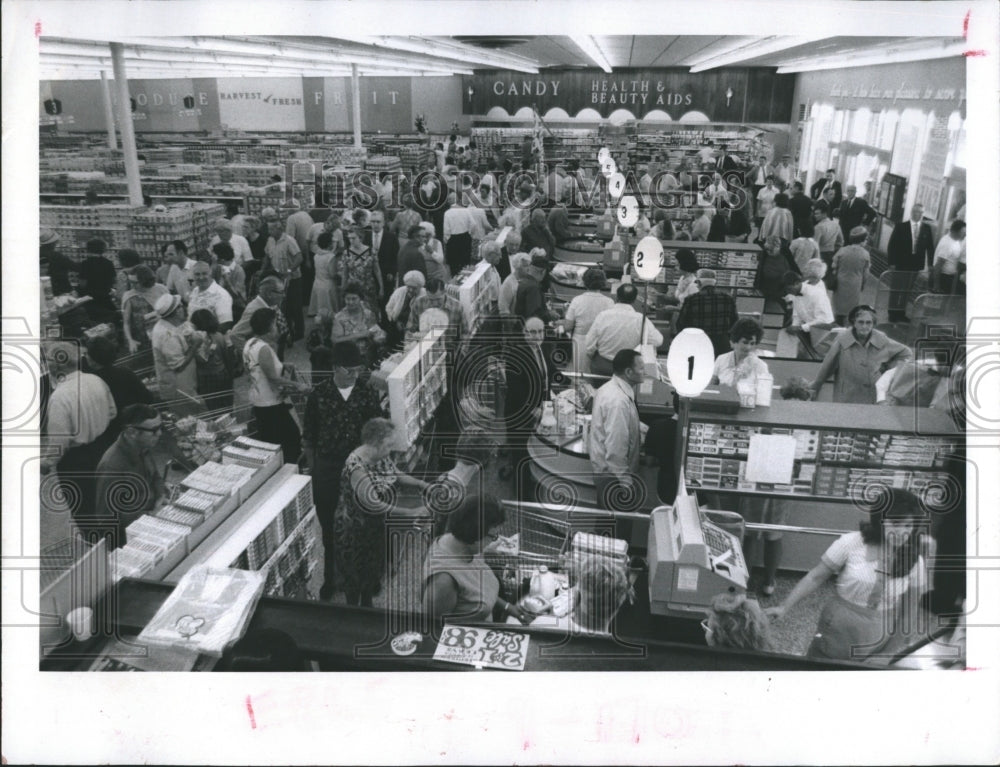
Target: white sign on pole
[690, 362]
[616, 185]
[628, 211]
[648, 258]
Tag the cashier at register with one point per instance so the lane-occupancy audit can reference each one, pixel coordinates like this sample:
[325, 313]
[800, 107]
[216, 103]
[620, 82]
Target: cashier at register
[616, 436]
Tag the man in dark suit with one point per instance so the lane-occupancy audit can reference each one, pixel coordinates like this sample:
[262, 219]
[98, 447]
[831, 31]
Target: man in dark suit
[911, 249]
[528, 373]
[854, 211]
[801, 208]
[828, 181]
[726, 161]
[385, 246]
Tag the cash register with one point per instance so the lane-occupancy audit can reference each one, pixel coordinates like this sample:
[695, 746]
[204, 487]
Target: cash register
[691, 560]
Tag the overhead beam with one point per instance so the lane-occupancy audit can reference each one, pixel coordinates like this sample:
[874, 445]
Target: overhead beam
[589, 46]
[890, 55]
[447, 49]
[765, 47]
[266, 48]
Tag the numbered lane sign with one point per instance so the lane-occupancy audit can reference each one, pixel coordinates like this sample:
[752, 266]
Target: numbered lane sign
[608, 167]
[690, 362]
[648, 259]
[628, 211]
[604, 155]
[616, 185]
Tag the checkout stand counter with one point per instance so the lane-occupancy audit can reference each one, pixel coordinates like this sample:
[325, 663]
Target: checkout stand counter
[344, 638]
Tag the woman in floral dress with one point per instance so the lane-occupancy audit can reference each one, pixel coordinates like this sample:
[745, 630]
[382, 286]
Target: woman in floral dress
[359, 265]
[369, 492]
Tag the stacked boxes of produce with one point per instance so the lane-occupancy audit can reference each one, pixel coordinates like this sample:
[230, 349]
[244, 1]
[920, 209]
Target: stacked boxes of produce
[349, 156]
[254, 175]
[164, 155]
[152, 230]
[384, 163]
[76, 224]
[416, 157]
[204, 216]
[270, 196]
[203, 156]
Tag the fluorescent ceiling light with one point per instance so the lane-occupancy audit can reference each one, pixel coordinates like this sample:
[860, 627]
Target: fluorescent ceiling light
[300, 60]
[447, 49]
[264, 48]
[588, 45]
[763, 47]
[887, 56]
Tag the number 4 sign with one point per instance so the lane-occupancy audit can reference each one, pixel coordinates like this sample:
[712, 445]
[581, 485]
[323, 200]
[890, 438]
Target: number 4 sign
[690, 362]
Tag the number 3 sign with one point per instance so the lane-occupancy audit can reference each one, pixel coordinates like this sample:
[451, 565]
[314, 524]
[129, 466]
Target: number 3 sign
[628, 211]
[648, 259]
[690, 362]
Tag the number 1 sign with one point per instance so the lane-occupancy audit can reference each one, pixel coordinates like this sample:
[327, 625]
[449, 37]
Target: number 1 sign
[690, 362]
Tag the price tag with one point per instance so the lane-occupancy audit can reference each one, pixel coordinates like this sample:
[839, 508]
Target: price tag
[690, 362]
[648, 258]
[482, 647]
[604, 155]
[628, 211]
[608, 167]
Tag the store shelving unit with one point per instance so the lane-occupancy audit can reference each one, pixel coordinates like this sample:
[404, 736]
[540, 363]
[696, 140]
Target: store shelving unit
[272, 531]
[840, 450]
[468, 287]
[416, 388]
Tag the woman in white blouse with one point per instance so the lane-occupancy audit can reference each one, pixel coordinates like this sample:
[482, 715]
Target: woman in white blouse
[581, 313]
[875, 569]
[742, 363]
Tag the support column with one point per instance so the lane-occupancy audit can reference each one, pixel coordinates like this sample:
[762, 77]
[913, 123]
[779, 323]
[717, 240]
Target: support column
[125, 125]
[109, 115]
[356, 104]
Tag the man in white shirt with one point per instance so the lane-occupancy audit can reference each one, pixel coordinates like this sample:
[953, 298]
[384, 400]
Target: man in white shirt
[827, 233]
[646, 182]
[765, 200]
[508, 288]
[706, 155]
[180, 275]
[79, 413]
[616, 435]
[812, 314]
[208, 294]
[241, 247]
[617, 328]
[703, 224]
[784, 170]
[950, 252]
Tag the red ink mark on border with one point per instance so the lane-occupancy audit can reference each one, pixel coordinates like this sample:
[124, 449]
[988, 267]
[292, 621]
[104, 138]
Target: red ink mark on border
[38, 29]
[972, 668]
[253, 721]
[979, 52]
[965, 25]
[527, 745]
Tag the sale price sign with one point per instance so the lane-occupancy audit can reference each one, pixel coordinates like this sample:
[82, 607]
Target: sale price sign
[482, 647]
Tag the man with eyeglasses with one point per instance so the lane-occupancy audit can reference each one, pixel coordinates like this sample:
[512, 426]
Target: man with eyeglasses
[129, 483]
[336, 410]
[270, 294]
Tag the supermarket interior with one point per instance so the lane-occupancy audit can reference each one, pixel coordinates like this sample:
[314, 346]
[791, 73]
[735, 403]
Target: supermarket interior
[541, 353]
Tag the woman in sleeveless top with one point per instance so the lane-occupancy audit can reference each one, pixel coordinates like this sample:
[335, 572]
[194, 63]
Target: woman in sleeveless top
[458, 583]
[272, 409]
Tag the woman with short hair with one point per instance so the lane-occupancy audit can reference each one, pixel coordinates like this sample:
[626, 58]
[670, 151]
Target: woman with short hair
[369, 488]
[137, 304]
[581, 313]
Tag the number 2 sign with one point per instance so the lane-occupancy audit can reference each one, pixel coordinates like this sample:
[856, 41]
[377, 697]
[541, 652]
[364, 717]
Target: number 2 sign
[690, 362]
[648, 259]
